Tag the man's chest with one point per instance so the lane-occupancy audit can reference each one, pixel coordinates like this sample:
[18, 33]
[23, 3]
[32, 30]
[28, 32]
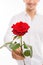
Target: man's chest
[35, 25]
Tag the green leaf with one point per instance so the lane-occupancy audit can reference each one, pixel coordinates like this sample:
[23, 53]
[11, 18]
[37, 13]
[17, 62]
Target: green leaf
[8, 43]
[25, 46]
[31, 51]
[14, 47]
[27, 53]
[17, 46]
[11, 45]
[15, 43]
[14, 37]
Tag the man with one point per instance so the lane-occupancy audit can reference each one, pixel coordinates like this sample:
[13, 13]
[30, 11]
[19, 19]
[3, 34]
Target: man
[35, 35]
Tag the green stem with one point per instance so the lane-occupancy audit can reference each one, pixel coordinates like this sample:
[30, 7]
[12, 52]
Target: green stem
[22, 49]
[8, 42]
[21, 44]
[24, 62]
[2, 46]
[5, 44]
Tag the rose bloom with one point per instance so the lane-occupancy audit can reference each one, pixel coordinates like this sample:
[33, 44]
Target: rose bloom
[20, 28]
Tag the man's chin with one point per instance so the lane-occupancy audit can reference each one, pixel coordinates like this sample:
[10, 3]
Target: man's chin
[31, 9]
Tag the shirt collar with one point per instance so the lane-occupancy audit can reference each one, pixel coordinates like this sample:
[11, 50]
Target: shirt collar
[29, 16]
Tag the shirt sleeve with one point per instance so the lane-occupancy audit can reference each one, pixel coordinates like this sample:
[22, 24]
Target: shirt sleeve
[9, 34]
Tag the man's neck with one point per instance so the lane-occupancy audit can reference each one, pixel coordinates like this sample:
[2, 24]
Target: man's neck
[31, 13]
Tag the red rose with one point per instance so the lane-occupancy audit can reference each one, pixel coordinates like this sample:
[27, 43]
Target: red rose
[20, 28]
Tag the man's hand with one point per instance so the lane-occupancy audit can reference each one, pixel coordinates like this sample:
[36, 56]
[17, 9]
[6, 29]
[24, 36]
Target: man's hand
[17, 54]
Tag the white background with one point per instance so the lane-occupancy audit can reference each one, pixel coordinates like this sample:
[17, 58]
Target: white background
[9, 8]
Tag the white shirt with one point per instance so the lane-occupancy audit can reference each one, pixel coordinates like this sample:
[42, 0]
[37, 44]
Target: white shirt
[34, 37]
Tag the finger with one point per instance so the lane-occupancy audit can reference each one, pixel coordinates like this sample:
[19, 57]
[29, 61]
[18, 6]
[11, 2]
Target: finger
[13, 55]
[17, 57]
[18, 50]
